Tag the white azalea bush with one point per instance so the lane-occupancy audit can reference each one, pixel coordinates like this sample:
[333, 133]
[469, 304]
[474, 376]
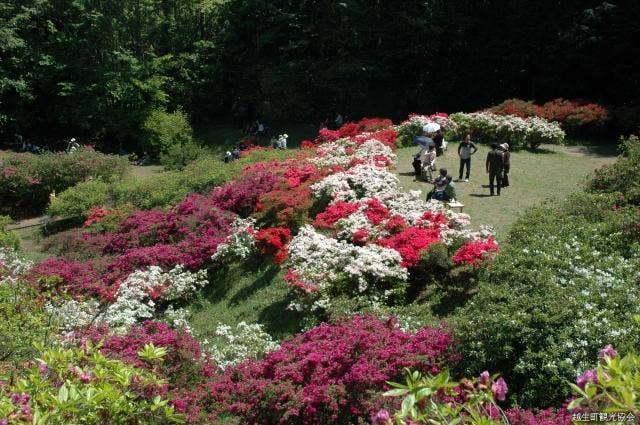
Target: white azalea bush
[322, 267]
[232, 345]
[137, 299]
[240, 244]
[487, 127]
[413, 126]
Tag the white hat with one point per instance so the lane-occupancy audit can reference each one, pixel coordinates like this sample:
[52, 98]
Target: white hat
[505, 146]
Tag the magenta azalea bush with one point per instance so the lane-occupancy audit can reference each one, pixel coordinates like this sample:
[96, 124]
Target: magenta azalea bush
[329, 374]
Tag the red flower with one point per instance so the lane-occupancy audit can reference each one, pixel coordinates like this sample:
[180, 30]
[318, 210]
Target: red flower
[410, 242]
[474, 252]
[335, 212]
[273, 241]
[376, 212]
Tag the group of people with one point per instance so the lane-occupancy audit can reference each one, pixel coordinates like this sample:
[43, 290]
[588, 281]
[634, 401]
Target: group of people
[235, 153]
[497, 164]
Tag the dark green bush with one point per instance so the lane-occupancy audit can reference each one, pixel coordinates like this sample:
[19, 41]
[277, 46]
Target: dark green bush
[26, 180]
[8, 239]
[622, 176]
[563, 287]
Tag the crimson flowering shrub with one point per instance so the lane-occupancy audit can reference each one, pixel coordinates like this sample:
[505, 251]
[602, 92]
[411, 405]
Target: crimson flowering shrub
[273, 241]
[327, 374]
[240, 196]
[335, 212]
[474, 252]
[573, 115]
[410, 243]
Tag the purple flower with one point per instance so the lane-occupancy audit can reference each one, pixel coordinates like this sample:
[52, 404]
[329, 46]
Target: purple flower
[484, 378]
[86, 377]
[43, 368]
[4, 421]
[499, 389]
[381, 418]
[607, 351]
[20, 399]
[588, 376]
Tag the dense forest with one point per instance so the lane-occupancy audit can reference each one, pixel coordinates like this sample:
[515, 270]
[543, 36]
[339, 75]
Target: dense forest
[97, 69]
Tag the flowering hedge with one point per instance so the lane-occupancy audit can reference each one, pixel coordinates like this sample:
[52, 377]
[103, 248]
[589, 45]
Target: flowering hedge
[26, 180]
[412, 127]
[573, 115]
[487, 127]
[326, 374]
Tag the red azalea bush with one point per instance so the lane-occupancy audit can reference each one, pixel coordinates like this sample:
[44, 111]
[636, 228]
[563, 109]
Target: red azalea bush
[273, 241]
[573, 115]
[335, 212]
[285, 206]
[473, 253]
[329, 374]
[410, 242]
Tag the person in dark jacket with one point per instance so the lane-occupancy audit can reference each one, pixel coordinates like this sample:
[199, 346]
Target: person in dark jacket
[507, 164]
[495, 166]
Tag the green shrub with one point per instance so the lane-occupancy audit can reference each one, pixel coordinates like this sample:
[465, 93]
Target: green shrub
[178, 156]
[562, 288]
[23, 321]
[8, 239]
[26, 180]
[162, 189]
[622, 176]
[78, 200]
[82, 386]
[166, 131]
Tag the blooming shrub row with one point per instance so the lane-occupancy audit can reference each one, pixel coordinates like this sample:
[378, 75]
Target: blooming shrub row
[574, 116]
[412, 127]
[487, 127]
[26, 180]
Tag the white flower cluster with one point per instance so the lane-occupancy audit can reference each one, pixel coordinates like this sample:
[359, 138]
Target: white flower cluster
[322, 262]
[361, 181]
[417, 122]
[240, 244]
[343, 151]
[516, 131]
[12, 265]
[231, 346]
[133, 299]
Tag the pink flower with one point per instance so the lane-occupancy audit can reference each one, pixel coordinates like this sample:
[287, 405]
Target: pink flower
[380, 418]
[588, 376]
[607, 351]
[86, 377]
[499, 389]
[484, 378]
[43, 368]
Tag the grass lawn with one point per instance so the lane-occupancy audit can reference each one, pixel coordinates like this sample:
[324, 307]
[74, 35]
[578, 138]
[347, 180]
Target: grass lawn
[551, 173]
[240, 293]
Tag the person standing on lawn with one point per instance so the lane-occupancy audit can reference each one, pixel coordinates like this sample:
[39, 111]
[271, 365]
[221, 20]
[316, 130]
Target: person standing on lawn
[465, 150]
[495, 167]
[507, 164]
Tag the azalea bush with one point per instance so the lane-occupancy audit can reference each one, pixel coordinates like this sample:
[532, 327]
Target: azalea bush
[26, 180]
[326, 374]
[157, 190]
[611, 389]
[80, 385]
[488, 127]
[575, 117]
[581, 255]
[412, 127]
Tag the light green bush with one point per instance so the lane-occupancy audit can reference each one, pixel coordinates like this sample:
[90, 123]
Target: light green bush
[166, 131]
[8, 239]
[78, 200]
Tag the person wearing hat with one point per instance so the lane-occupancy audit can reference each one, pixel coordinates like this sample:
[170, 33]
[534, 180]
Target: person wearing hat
[507, 164]
[495, 166]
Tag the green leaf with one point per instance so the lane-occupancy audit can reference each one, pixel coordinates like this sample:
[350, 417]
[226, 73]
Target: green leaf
[63, 394]
[396, 393]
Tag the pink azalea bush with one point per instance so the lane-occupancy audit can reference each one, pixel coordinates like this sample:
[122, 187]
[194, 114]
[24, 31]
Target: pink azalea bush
[326, 374]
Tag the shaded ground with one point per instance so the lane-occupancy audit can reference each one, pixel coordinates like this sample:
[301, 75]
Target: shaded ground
[554, 172]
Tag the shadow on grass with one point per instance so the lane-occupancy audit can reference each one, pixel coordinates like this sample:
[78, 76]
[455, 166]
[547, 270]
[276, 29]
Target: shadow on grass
[220, 283]
[265, 279]
[279, 321]
[541, 151]
[408, 174]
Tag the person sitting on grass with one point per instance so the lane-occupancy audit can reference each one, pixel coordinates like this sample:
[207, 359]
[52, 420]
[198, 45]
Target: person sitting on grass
[450, 189]
[228, 157]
